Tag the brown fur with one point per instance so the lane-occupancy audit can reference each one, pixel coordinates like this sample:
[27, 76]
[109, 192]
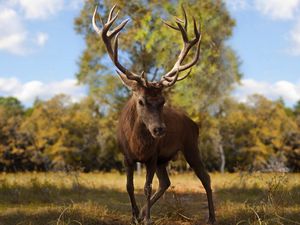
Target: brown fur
[139, 145]
[149, 132]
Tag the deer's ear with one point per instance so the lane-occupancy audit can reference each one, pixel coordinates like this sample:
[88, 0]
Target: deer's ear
[131, 84]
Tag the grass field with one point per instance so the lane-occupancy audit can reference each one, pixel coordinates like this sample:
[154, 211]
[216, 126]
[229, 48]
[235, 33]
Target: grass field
[100, 198]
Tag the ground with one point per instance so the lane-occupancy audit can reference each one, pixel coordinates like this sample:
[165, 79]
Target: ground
[100, 198]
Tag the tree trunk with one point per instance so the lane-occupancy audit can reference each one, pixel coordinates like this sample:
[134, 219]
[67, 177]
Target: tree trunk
[222, 156]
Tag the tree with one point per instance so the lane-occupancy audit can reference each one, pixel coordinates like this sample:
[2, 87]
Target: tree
[12, 105]
[292, 148]
[147, 45]
[145, 48]
[67, 136]
[13, 144]
[297, 108]
[256, 134]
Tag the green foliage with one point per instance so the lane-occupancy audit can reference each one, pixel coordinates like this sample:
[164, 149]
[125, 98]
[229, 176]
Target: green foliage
[255, 135]
[58, 134]
[297, 108]
[68, 136]
[12, 105]
[14, 154]
[148, 45]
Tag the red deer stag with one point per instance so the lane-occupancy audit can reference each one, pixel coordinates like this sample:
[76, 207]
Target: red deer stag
[150, 132]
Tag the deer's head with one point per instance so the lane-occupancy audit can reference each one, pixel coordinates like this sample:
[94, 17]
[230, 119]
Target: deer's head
[148, 95]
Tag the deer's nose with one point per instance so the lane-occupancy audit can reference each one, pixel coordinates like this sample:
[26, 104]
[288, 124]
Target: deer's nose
[159, 131]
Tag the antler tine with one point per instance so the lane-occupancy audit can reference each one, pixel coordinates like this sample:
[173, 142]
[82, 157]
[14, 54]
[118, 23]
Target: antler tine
[96, 28]
[111, 13]
[179, 78]
[179, 20]
[110, 23]
[112, 48]
[183, 32]
[185, 21]
[185, 18]
[196, 31]
[195, 59]
[169, 25]
[145, 78]
[117, 29]
[172, 81]
[183, 29]
[116, 45]
[172, 75]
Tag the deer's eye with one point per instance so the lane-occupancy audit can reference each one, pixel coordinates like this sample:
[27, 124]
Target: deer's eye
[141, 103]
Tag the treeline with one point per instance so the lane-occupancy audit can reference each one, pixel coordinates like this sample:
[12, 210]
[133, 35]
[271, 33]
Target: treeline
[260, 135]
[60, 135]
[56, 134]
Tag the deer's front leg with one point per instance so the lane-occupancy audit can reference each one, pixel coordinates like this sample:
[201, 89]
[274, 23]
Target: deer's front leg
[150, 170]
[164, 183]
[130, 190]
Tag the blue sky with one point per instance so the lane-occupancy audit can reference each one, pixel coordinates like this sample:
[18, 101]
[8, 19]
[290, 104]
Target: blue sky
[267, 40]
[39, 48]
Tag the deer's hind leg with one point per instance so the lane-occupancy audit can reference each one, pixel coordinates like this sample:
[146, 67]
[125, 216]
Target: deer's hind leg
[192, 156]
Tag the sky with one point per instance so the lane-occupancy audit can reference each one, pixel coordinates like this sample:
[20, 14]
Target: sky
[39, 48]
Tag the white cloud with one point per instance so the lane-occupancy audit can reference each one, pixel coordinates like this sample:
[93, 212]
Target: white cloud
[40, 9]
[75, 4]
[237, 4]
[13, 34]
[278, 9]
[8, 85]
[29, 91]
[290, 92]
[295, 39]
[15, 37]
[41, 38]
[284, 10]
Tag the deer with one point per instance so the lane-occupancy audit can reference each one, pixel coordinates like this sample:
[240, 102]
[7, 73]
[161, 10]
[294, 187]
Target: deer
[149, 131]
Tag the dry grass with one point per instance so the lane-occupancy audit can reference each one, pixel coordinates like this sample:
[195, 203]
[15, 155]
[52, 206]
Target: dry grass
[99, 198]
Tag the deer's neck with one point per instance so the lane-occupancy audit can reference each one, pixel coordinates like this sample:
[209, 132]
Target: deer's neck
[141, 142]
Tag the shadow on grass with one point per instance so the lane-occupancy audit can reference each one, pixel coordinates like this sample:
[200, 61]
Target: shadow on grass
[249, 217]
[280, 196]
[72, 215]
[44, 203]
[254, 205]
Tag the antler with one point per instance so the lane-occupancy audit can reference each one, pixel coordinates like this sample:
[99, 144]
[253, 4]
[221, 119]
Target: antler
[109, 36]
[171, 77]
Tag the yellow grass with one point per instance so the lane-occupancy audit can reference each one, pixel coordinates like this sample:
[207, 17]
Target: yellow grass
[100, 198]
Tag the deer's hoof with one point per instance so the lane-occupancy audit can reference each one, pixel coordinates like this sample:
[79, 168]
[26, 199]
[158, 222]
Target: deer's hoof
[148, 222]
[142, 214]
[212, 221]
[134, 221]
